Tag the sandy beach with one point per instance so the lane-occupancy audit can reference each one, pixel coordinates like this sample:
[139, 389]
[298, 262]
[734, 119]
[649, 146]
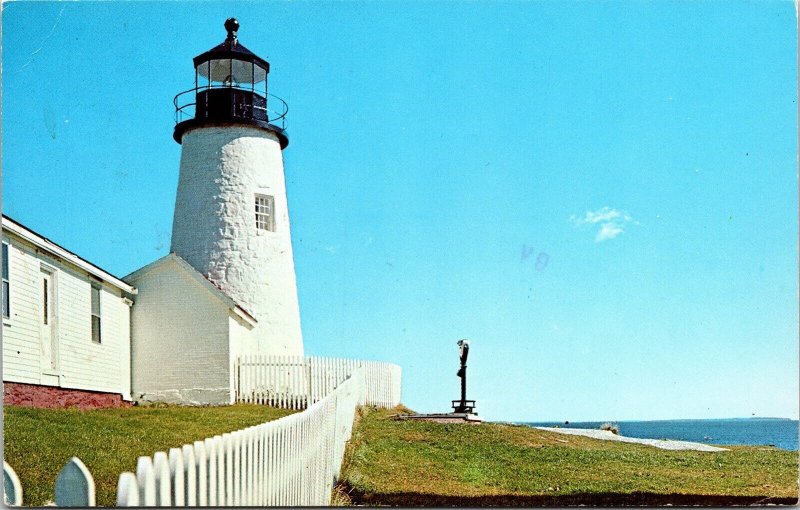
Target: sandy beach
[607, 435]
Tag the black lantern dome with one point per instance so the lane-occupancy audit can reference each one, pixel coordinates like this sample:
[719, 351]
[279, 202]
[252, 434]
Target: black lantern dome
[230, 88]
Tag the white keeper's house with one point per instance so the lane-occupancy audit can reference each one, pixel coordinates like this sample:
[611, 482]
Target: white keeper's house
[171, 331]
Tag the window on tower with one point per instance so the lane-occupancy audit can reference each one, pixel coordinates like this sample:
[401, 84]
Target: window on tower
[265, 212]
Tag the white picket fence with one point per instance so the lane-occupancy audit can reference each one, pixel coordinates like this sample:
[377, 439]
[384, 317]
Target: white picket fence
[295, 382]
[292, 461]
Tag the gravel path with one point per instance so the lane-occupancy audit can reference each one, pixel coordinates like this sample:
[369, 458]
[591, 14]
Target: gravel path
[666, 444]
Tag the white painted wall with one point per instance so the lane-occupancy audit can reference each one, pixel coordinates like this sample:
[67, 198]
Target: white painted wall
[242, 341]
[181, 337]
[222, 168]
[82, 364]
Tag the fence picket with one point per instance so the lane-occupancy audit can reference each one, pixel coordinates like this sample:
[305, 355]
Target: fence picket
[251, 379]
[227, 443]
[296, 382]
[146, 481]
[211, 471]
[200, 472]
[292, 460]
[162, 475]
[241, 468]
[292, 383]
[190, 476]
[259, 380]
[177, 473]
[284, 467]
[12, 489]
[127, 491]
[74, 485]
[259, 467]
[251, 451]
[278, 382]
[273, 462]
[271, 376]
[237, 468]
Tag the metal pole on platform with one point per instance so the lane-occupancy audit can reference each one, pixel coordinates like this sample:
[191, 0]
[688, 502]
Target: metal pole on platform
[462, 373]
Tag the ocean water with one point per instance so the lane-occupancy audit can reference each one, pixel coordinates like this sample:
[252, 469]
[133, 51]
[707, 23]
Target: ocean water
[778, 432]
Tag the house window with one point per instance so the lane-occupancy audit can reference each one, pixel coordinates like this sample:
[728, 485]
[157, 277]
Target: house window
[6, 286]
[265, 212]
[96, 337]
[45, 301]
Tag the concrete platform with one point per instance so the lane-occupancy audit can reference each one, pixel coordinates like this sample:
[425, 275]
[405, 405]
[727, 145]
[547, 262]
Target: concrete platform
[468, 418]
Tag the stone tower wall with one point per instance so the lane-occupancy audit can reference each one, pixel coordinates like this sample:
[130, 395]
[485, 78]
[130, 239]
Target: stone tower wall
[214, 227]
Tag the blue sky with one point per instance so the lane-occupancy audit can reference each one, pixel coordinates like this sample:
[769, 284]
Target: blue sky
[602, 196]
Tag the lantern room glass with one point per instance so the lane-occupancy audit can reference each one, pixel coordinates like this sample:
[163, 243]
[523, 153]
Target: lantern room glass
[241, 73]
[201, 80]
[260, 80]
[216, 73]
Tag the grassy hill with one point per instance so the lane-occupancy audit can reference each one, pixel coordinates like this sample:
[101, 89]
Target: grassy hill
[38, 442]
[409, 463]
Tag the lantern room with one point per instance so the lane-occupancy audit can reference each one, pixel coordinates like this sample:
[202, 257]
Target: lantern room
[230, 88]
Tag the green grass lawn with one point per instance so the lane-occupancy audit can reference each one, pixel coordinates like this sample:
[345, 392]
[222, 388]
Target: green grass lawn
[38, 442]
[419, 463]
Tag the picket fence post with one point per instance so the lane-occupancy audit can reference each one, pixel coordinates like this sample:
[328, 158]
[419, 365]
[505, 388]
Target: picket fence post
[190, 486]
[161, 471]
[127, 490]
[200, 471]
[146, 481]
[12, 489]
[74, 485]
[177, 471]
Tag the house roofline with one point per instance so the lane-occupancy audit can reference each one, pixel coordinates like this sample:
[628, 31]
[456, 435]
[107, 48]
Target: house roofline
[235, 307]
[59, 251]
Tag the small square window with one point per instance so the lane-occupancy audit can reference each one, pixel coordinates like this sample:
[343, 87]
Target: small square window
[265, 212]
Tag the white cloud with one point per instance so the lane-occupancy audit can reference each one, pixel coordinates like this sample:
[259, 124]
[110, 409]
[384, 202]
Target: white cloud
[606, 214]
[611, 221]
[608, 231]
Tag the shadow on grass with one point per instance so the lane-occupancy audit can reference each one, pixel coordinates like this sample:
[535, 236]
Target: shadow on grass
[410, 499]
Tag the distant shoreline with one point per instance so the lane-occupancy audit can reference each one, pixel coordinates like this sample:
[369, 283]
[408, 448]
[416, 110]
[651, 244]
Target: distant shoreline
[771, 418]
[664, 444]
[776, 432]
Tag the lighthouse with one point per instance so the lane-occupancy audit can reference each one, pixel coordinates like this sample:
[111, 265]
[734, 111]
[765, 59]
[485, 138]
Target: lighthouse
[231, 220]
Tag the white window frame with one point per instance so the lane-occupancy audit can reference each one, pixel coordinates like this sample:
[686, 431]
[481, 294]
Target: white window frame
[95, 287]
[265, 212]
[6, 296]
[52, 317]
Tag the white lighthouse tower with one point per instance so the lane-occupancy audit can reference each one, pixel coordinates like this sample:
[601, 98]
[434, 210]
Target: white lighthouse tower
[231, 219]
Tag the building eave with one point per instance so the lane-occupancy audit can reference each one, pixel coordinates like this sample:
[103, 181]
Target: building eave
[232, 305]
[62, 253]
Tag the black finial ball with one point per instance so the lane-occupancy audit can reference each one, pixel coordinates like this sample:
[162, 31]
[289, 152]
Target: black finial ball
[232, 26]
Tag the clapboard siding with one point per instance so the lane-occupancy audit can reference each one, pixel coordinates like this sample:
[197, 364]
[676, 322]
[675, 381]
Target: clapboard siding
[82, 364]
[171, 362]
[21, 354]
[89, 365]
